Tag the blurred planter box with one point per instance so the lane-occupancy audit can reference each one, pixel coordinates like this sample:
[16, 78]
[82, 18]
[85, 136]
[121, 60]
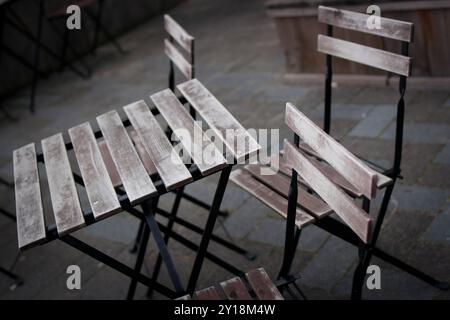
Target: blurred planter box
[297, 26]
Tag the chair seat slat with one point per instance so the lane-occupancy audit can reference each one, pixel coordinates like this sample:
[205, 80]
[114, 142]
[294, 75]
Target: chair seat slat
[109, 163]
[169, 165]
[237, 140]
[262, 285]
[135, 179]
[29, 210]
[199, 147]
[235, 289]
[99, 188]
[280, 184]
[270, 198]
[208, 294]
[63, 193]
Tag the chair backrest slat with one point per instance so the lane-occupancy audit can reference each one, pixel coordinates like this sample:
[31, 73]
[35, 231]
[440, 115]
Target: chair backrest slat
[178, 59]
[336, 198]
[184, 39]
[373, 57]
[358, 174]
[393, 29]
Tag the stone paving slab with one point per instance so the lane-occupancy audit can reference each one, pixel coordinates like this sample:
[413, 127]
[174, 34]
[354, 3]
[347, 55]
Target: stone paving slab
[375, 122]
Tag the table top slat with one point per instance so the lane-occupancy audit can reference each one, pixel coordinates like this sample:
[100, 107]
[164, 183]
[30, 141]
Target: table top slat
[239, 142]
[29, 209]
[63, 193]
[136, 181]
[169, 165]
[99, 188]
[199, 147]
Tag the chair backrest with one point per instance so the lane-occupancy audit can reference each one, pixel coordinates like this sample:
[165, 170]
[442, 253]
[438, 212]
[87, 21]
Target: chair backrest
[184, 62]
[343, 161]
[394, 29]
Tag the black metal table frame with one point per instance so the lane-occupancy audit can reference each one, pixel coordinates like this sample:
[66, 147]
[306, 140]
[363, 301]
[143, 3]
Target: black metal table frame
[149, 209]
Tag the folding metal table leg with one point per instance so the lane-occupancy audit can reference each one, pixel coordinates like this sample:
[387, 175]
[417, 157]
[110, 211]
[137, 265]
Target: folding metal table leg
[148, 212]
[139, 260]
[117, 265]
[209, 228]
[169, 227]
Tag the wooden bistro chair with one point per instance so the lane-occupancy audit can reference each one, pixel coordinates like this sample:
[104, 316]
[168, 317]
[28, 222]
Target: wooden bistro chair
[398, 64]
[311, 185]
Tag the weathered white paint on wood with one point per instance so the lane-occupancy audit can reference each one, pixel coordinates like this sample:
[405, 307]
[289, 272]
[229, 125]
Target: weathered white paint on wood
[227, 128]
[29, 210]
[207, 294]
[180, 61]
[135, 179]
[63, 193]
[270, 198]
[235, 289]
[348, 165]
[99, 188]
[109, 163]
[145, 158]
[390, 28]
[341, 203]
[169, 165]
[177, 32]
[376, 58]
[199, 147]
[264, 288]
[280, 184]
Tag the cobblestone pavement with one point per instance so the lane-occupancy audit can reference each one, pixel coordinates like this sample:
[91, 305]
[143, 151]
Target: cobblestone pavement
[240, 60]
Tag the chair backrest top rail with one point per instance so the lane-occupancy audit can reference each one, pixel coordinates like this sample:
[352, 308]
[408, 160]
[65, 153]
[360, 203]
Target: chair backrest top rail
[177, 32]
[390, 28]
[344, 206]
[185, 67]
[348, 165]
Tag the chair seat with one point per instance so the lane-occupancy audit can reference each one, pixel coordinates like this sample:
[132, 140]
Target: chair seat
[257, 284]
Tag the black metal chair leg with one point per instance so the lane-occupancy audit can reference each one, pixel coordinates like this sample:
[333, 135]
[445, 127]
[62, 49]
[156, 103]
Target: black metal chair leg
[36, 57]
[9, 274]
[139, 261]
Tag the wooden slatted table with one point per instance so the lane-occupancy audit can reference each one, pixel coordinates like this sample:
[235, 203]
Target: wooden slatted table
[117, 176]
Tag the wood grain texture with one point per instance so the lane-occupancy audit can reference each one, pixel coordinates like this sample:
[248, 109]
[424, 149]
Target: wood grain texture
[178, 59]
[109, 163]
[235, 289]
[135, 179]
[270, 198]
[390, 28]
[348, 165]
[341, 203]
[29, 210]
[207, 294]
[280, 184]
[63, 193]
[178, 33]
[169, 165]
[221, 121]
[262, 285]
[369, 56]
[145, 158]
[199, 147]
[99, 188]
